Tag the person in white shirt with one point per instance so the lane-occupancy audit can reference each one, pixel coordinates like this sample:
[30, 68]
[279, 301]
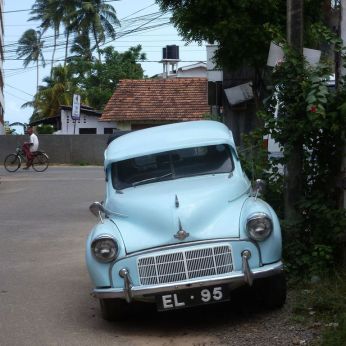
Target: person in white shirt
[30, 147]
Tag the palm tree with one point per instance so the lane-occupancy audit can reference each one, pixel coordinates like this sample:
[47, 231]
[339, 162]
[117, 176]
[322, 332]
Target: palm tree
[58, 90]
[97, 18]
[81, 47]
[43, 11]
[30, 47]
[54, 14]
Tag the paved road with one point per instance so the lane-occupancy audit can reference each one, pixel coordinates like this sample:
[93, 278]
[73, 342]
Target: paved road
[45, 289]
[44, 286]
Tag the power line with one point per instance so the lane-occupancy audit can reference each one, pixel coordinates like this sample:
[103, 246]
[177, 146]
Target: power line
[18, 97]
[30, 9]
[24, 92]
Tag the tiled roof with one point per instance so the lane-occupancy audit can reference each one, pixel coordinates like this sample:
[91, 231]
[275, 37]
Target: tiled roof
[177, 99]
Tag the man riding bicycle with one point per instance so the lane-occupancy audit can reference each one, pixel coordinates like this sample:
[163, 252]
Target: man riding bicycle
[30, 147]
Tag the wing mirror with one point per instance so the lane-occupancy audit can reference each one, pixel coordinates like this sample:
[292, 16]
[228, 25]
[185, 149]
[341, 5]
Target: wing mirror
[97, 208]
[259, 187]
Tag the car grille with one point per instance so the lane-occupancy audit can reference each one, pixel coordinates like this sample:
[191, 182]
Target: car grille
[184, 265]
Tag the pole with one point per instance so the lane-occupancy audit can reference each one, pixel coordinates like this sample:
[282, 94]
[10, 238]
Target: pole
[293, 169]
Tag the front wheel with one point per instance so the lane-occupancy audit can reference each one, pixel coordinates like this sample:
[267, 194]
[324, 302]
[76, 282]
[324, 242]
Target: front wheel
[271, 291]
[12, 162]
[40, 162]
[114, 309]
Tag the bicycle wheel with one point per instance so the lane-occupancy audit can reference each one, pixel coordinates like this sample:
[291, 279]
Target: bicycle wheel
[40, 162]
[12, 162]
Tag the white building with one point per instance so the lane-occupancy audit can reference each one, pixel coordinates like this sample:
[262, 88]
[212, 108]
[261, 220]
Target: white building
[2, 104]
[87, 123]
[197, 70]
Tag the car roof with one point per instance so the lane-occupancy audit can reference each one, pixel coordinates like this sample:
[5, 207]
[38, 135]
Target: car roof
[168, 137]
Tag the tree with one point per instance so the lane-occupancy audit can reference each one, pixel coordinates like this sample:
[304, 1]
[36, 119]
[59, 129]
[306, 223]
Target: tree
[82, 48]
[93, 80]
[98, 80]
[98, 19]
[243, 29]
[310, 125]
[237, 26]
[59, 90]
[53, 14]
[30, 47]
[44, 12]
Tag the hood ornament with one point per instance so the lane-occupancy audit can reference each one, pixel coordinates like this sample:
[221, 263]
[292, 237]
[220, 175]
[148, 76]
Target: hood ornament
[176, 201]
[181, 234]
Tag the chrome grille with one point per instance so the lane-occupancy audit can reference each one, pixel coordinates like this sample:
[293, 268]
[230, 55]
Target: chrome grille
[183, 265]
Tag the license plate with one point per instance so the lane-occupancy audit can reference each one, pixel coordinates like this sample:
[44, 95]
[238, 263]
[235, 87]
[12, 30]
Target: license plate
[192, 297]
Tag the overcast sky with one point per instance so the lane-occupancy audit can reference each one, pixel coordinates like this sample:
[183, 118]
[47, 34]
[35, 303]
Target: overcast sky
[20, 83]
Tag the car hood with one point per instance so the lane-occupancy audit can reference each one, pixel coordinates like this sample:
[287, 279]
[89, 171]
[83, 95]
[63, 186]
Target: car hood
[205, 207]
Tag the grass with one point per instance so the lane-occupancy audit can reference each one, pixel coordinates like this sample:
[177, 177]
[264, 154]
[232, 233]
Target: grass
[323, 305]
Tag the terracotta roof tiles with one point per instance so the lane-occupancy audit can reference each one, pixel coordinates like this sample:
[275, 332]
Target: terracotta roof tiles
[177, 99]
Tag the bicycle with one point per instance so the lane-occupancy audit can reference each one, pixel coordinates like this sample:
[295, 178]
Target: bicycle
[13, 161]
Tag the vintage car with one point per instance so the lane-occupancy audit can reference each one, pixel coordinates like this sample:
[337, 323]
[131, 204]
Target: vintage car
[180, 224]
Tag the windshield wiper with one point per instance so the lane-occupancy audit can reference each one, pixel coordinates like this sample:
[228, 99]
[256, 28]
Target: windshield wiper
[144, 181]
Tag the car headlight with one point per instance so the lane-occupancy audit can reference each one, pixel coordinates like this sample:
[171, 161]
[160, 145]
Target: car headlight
[259, 226]
[104, 249]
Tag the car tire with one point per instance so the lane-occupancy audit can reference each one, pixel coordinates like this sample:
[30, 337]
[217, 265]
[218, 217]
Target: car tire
[271, 291]
[114, 309]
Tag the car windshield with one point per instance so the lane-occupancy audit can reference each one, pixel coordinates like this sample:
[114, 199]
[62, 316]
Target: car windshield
[175, 164]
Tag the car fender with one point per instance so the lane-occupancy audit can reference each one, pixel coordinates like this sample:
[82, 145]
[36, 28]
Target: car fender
[98, 271]
[270, 248]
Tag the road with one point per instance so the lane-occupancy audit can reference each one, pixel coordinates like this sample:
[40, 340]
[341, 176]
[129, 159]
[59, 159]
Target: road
[45, 289]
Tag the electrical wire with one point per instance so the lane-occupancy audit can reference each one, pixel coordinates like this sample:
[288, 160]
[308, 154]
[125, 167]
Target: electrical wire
[24, 92]
[138, 30]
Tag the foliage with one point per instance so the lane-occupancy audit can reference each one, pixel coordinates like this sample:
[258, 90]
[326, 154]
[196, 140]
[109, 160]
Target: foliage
[57, 91]
[322, 303]
[98, 80]
[10, 131]
[87, 19]
[311, 117]
[52, 14]
[239, 27]
[96, 18]
[30, 47]
[95, 81]
[258, 165]
[45, 129]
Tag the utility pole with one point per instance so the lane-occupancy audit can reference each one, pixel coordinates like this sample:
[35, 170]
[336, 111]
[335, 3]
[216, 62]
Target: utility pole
[343, 73]
[293, 169]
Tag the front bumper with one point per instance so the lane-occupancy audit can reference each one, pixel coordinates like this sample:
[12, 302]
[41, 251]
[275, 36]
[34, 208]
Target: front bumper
[235, 279]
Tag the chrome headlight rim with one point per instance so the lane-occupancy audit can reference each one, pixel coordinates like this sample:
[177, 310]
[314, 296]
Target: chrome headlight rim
[255, 218]
[102, 238]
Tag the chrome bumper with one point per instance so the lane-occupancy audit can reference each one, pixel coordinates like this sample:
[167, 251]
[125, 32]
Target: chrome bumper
[246, 276]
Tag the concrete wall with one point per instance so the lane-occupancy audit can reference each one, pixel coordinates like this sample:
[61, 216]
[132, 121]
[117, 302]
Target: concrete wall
[68, 149]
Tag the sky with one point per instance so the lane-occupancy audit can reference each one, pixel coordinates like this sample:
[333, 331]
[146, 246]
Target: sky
[20, 83]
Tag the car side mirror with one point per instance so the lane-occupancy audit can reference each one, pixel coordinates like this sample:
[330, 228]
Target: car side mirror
[97, 208]
[259, 187]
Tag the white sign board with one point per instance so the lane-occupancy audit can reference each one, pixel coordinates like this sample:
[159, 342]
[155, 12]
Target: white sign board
[76, 107]
[276, 55]
[239, 93]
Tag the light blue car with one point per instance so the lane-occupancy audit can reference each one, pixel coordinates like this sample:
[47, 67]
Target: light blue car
[180, 224]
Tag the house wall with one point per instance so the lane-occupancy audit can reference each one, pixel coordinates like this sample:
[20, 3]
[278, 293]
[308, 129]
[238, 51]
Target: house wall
[198, 72]
[86, 122]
